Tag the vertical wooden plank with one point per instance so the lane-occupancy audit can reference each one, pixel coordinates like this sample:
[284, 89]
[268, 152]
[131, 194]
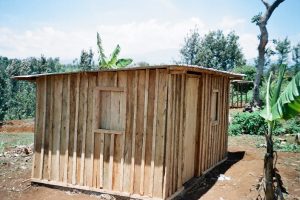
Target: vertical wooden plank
[200, 124]
[64, 129]
[173, 122]
[168, 149]
[181, 130]
[38, 128]
[222, 108]
[67, 129]
[90, 126]
[139, 130]
[226, 117]
[72, 108]
[209, 120]
[83, 128]
[115, 108]
[128, 131]
[106, 122]
[177, 131]
[151, 182]
[101, 78]
[192, 85]
[160, 142]
[44, 112]
[134, 132]
[57, 110]
[48, 126]
[74, 164]
[144, 132]
[118, 168]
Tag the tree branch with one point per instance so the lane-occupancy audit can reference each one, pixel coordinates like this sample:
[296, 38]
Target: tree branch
[266, 4]
[271, 8]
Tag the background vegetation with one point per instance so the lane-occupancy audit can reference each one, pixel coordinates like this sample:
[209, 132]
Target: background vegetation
[17, 98]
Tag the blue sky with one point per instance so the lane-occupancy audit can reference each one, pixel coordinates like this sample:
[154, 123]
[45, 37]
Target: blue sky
[151, 31]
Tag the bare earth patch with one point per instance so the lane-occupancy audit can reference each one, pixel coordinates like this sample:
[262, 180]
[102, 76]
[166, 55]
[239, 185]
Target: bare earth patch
[15, 126]
[236, 178]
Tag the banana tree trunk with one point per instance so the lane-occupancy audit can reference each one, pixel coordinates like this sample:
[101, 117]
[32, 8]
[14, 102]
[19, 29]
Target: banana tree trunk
[268, 166]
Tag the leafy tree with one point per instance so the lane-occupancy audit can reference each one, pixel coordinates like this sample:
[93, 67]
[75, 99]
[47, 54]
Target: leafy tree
[214, 50]
[296, 57]
[4, 62]
[261, 21]
[283, 48]
[17, 98]
[220, 51]
[279, 105]
[190, 49]
[86, 60]
[248, 70]
[113, 61]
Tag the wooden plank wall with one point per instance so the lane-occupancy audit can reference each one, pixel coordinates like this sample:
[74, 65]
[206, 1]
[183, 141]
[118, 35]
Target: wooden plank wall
[213, 135]
[69, 151]
[149, 158]
[209, 146]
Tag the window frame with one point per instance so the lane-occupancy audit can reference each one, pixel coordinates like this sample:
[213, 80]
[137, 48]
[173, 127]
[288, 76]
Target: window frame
[215, 107]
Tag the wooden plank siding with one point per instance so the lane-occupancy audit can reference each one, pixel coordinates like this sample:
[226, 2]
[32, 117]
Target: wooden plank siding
[141, 133]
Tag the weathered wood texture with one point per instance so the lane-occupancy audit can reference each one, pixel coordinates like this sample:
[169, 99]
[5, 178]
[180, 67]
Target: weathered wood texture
[143, 132]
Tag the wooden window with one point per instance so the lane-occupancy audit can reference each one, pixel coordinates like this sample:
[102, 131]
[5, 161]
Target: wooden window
[215, 106]
[110, 111]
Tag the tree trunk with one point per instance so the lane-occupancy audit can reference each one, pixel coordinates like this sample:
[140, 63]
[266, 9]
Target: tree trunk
[268, 166]
[260, 63]
[263, 41]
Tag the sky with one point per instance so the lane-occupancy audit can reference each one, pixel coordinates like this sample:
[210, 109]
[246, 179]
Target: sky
[152, 31]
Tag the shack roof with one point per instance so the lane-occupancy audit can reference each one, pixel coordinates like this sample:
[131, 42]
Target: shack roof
[184, 68]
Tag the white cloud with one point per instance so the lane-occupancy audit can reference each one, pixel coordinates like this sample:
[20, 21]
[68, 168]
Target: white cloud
[154, 41]
[249, 43]
[137, 39]
[230, 22]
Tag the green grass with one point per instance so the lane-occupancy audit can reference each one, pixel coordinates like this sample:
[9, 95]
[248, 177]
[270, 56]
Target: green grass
[15, 139]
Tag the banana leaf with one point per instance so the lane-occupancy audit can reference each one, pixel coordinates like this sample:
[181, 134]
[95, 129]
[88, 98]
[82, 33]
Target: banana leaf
[114, 56]
[102, 58]
[266, 112]
[288, 103]
[123, 62]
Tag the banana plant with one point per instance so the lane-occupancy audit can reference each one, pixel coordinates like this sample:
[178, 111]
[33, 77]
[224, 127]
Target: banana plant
[113, 61]
[279, 105]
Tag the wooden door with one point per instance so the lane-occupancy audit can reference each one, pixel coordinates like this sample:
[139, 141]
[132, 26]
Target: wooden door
[191, 105]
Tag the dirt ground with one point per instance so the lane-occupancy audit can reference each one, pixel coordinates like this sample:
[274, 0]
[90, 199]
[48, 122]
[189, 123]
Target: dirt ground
[14, 126]
[236, 178]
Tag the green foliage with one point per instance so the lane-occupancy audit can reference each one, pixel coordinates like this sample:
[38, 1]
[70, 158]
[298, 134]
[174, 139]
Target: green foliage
[292, 126]
[283, 48]
[296, 57]
[214, 50]
[248, 70]
[17, 98]
[247, 123]
[288, 103]
[286, 147]
[220, 51]
[113, 61]
[256, 18]
[190, 49]
[86, 60]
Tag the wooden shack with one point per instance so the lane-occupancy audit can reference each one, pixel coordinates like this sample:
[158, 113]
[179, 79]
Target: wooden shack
[136, 132]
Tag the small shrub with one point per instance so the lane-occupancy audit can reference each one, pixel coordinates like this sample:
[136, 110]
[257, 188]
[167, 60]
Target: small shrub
[292, 126]
[286, 147]
[247, 123]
